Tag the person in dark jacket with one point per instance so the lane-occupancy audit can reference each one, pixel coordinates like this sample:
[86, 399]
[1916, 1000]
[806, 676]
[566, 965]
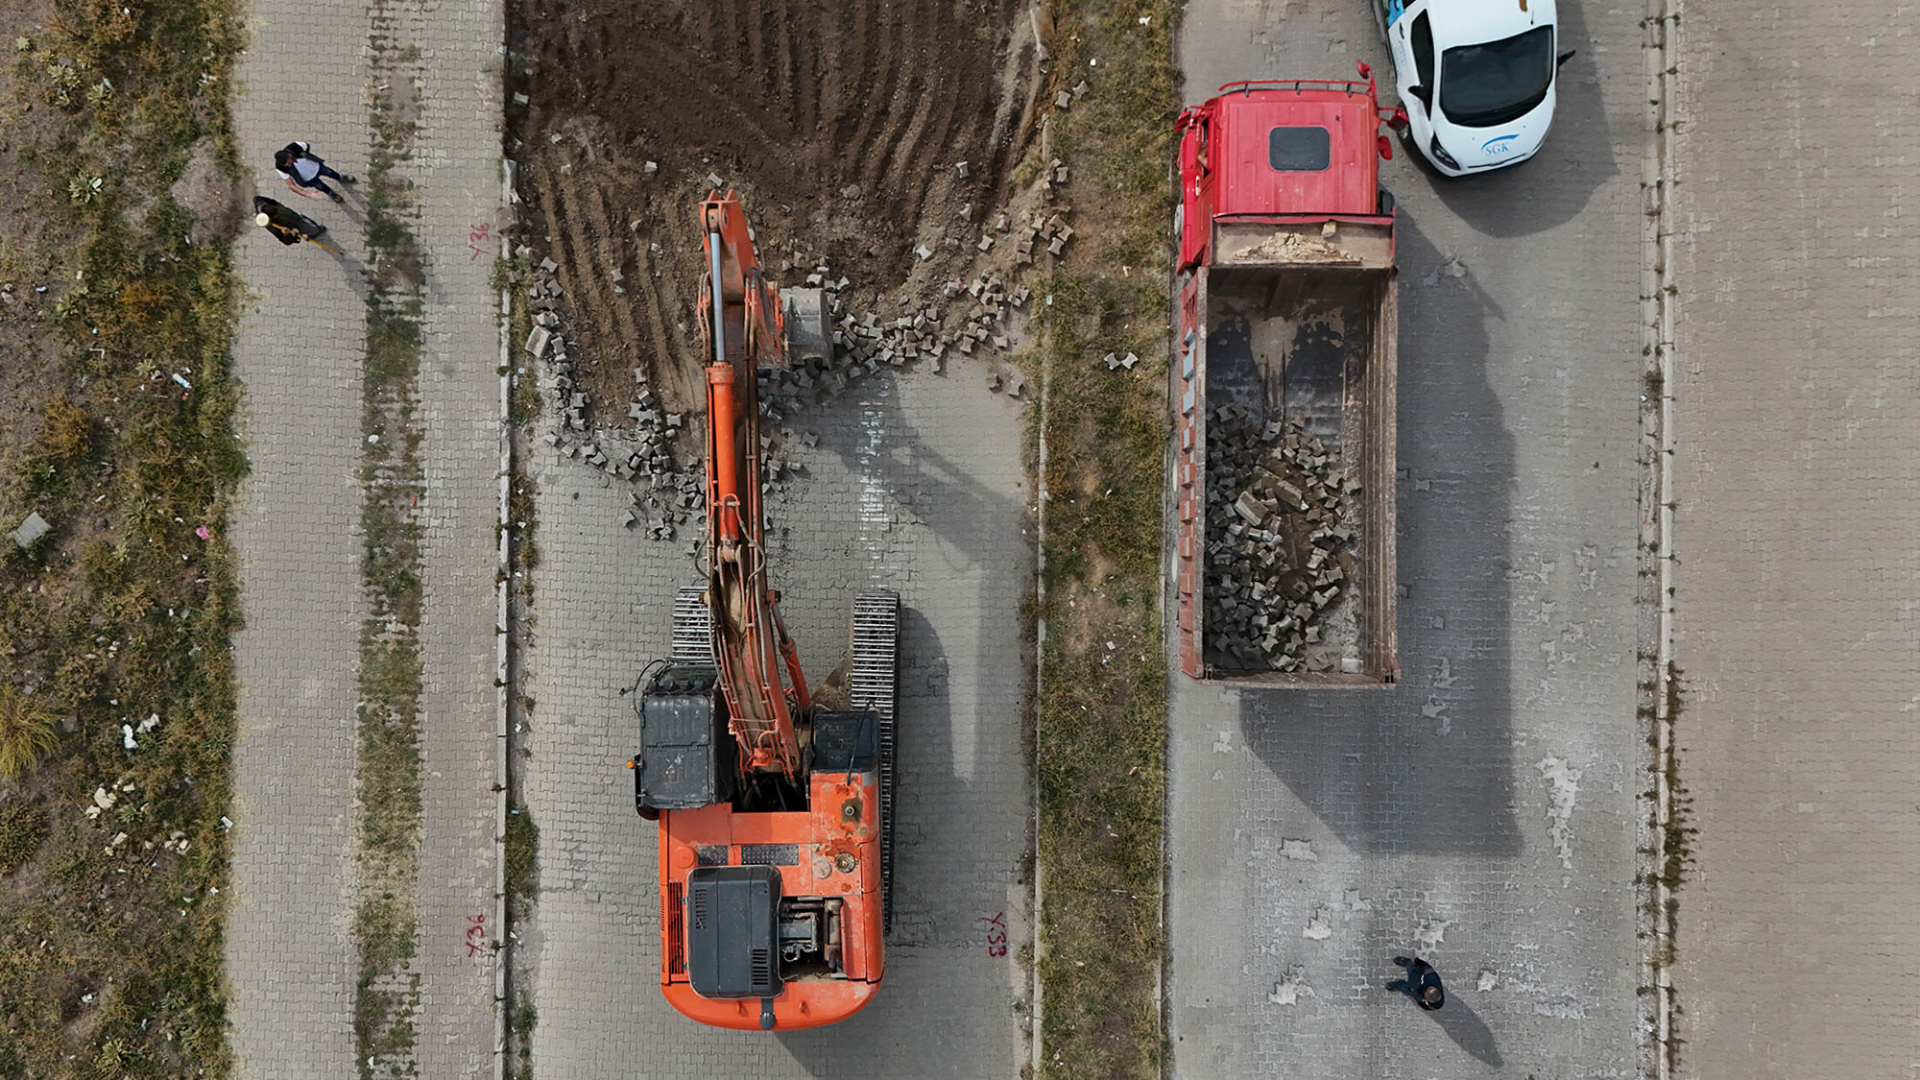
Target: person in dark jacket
[1422, 983]
[286, 225]
[302, 169]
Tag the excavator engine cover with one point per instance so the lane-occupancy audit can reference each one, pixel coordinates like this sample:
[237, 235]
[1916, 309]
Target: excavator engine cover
[686, 752]
[733, 927]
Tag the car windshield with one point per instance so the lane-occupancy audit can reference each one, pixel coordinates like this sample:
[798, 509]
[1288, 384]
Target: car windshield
[1500, 81]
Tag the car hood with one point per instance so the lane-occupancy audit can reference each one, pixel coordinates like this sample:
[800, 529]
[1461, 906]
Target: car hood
[1473, 22]
[1478, 148]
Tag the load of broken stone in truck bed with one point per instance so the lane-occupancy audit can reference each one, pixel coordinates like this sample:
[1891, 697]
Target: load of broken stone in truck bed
[1279, 553]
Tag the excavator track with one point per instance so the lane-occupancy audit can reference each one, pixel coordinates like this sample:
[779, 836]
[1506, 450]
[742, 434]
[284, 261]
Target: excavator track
[875, 685]
[692, 628]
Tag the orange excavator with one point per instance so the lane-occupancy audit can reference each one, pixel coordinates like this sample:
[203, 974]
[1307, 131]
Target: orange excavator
[775, 811]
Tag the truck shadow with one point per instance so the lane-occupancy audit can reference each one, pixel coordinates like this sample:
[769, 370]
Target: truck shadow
[1552, 187]
[1424, 767]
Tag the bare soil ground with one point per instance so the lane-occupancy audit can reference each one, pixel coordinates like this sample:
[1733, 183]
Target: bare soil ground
[115, 689]
[840, 122]
[37, 242]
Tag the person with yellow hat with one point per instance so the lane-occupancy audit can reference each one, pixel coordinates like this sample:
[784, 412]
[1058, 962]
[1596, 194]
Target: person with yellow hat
[286, 225]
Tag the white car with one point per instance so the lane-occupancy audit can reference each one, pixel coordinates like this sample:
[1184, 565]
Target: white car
[1476, 77]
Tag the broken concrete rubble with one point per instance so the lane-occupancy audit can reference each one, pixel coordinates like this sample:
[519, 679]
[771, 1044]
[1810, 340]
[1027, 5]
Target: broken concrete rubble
[1278, 552]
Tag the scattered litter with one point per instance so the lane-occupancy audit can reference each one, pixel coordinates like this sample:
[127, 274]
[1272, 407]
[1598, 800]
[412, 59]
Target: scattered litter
[30, 530]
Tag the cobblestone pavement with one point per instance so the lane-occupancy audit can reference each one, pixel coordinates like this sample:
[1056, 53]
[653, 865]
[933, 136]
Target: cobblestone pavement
[916, 485]
[291, 960]
[456, 170]
[1797, 474]
[1484, 812]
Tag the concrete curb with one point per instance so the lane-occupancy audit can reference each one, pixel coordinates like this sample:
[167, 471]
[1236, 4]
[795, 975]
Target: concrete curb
[503, 636]
[1657, 303]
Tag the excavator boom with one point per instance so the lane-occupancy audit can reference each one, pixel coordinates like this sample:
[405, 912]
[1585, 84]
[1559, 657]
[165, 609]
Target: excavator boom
[759, 666]
[774, 812]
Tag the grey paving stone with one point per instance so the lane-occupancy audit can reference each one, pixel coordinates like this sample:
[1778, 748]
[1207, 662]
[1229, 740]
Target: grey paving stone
[1797, 474]
[603, 609]
[291, 959]
[1428, 811]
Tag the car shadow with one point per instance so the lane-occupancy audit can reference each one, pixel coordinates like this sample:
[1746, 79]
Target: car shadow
[1554, 185]
[1424, 767]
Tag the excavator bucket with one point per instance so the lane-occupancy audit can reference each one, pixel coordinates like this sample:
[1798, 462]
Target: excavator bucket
[807, 340]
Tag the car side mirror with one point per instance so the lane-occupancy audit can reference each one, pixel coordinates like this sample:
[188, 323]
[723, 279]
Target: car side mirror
[1564, 57]
[1425, 95]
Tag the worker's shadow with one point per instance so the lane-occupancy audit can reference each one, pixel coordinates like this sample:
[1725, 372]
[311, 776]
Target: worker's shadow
[1468, 1031]
[356, 273]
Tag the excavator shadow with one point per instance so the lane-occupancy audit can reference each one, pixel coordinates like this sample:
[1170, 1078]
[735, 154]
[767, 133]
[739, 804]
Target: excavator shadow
[927, 490]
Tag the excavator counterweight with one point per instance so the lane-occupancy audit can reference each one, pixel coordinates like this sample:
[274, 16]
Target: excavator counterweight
[775, 815]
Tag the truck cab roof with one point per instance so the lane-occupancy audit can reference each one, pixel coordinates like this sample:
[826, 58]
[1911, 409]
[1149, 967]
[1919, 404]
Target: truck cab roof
[1290, 151]
[1292, 148]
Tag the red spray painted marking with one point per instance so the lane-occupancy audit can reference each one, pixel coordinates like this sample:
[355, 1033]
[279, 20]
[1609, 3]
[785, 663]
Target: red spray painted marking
[996, 933]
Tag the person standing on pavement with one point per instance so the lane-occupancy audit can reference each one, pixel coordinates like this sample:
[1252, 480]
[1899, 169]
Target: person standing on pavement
[1422, 983]
[287, 226]
[302, 170]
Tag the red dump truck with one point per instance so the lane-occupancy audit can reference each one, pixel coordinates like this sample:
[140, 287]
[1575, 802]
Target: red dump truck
[1283, 387]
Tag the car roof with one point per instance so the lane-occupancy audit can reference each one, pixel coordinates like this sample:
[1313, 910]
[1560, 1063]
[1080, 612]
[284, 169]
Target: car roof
[1249, 184]
[1471, 22]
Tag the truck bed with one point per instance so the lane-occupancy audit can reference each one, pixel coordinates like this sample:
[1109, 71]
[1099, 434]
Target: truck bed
[1295, 379]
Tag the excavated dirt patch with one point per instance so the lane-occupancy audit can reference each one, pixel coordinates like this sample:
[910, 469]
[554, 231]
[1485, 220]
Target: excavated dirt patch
[840, 122]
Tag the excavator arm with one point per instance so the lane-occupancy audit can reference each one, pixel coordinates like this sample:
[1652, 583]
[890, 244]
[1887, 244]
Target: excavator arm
[741, 325]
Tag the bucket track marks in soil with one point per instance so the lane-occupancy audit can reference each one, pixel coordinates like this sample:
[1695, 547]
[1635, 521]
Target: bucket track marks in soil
[839, 122]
